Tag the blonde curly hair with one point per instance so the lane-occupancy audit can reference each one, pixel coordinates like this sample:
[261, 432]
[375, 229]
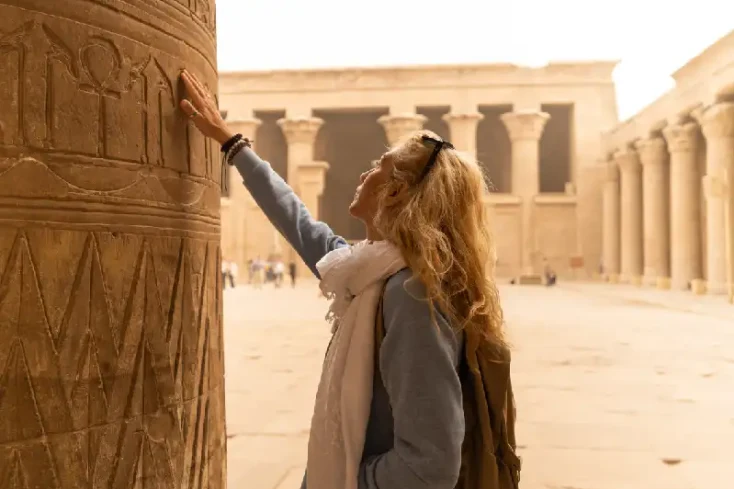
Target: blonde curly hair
[439, 222]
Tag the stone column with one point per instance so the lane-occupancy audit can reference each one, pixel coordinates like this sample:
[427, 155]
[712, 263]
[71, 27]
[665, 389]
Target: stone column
[300, 134]
[312, 178]
[655, 203]
[525, 129]
[241, 201]
[399, 126]
[463, 129]
[685, 196]
[111, 358]
[717, 124]
[631, 215]
[611, 223]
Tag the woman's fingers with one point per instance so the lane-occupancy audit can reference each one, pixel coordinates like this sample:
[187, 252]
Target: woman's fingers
[192, 90]
[188, 108]
[203, 94]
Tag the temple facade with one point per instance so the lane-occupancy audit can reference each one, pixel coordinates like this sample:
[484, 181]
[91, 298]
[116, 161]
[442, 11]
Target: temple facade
[536, 132]
[668, 205]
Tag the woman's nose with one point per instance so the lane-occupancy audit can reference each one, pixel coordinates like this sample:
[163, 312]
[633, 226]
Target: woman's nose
[363, 176]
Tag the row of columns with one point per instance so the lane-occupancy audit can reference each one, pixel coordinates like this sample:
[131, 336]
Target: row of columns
[307, 176]
[652, 215]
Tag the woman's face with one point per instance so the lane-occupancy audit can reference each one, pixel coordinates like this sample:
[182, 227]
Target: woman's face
[364, 205]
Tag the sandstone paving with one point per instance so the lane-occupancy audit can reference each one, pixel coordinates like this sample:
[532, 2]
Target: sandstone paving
[616, 387]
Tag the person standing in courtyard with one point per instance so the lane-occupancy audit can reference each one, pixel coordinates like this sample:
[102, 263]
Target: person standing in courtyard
[415, 389]
[292, 273]
[233, 272]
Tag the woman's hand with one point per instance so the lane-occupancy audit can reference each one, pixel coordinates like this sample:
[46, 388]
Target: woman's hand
[203, 111]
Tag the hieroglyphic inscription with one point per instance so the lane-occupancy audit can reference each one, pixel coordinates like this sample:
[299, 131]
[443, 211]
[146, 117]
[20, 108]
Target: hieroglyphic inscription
[110, 296]
[110, 362]
[52, 85]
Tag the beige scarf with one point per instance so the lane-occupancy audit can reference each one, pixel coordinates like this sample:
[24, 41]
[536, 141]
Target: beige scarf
[353, 277]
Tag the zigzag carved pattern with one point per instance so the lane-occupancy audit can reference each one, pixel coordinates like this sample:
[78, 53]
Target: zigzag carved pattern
[110, 362]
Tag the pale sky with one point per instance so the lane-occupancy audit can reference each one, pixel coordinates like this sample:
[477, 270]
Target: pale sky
[652, 37]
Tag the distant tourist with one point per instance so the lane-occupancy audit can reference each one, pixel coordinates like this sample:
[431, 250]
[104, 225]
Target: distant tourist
[418, 294]
[233, 271]
[258, 272]
[225, 273]
[292, 273]
[550, 275]
[278, 273]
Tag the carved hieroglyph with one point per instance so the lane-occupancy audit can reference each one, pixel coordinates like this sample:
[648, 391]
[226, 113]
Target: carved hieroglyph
[110, 306]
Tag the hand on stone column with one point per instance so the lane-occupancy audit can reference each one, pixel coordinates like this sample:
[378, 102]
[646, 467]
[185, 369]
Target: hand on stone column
[203, 111]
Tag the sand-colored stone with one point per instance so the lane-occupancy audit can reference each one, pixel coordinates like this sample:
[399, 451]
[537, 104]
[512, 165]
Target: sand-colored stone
[111, 361]
[525, 129]
[697, 110]
[656, 196]
[463, 130]
[630, 172]
[602, 401]
[463, 103]
[718, 129]
[685, 198]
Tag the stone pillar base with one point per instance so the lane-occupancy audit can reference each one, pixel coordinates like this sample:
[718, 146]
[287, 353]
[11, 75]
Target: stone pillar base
[716, 288]
[651, 280]
[698, 286]
[530, 279]
[636, 280]
[613, 278]
[663, 283]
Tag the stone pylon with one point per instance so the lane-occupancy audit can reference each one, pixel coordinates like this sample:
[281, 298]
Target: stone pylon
[110, 305]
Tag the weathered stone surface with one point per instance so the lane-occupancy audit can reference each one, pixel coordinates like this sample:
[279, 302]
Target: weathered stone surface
[110, 325]
[608, 396]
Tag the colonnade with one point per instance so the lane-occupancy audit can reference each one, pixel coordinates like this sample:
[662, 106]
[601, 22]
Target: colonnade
[668, 219]
[307, 176]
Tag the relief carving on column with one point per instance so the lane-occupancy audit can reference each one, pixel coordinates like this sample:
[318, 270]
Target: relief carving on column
[682, 138]
[652, 151]
[717, 121]
[81, 104]
[401, 125]
[111, 355]
[525, 125]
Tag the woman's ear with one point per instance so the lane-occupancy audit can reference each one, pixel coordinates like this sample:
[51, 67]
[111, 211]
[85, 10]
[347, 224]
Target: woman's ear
[395, 191]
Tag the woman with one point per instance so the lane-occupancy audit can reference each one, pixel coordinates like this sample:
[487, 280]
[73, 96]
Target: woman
[395, 421]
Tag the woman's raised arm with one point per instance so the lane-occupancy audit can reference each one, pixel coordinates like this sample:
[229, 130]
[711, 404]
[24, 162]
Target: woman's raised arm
[310, 238]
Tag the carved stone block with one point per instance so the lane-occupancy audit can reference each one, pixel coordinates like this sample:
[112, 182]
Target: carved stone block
[111, 367]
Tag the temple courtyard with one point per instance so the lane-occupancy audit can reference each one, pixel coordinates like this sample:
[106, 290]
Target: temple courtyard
[617, 387]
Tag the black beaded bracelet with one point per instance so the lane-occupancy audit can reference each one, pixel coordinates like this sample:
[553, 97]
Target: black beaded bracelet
[231, 142]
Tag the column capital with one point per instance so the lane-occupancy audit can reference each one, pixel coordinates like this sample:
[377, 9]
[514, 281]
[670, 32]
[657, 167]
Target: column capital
[682, 137]
[628, 160]
[463, 116]
[300, 129]
[717, 121]
[247, 126]
[397, 126]
[525, 124]
[652, 151]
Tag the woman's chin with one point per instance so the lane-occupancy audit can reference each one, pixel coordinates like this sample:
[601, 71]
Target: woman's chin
[354, 210]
